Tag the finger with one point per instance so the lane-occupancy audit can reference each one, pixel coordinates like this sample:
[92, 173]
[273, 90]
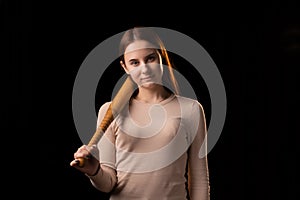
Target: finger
[82, 148]
[82, 154]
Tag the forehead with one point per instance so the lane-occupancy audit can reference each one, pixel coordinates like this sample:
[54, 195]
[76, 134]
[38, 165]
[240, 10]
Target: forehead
[138, 49]
[138, 45]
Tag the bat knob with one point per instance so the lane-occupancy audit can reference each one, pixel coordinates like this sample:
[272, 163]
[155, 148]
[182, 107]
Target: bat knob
[80, 162]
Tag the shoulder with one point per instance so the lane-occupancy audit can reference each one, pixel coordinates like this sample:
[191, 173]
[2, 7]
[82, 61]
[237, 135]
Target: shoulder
[191, 108]
[189, 102]
[103, 108]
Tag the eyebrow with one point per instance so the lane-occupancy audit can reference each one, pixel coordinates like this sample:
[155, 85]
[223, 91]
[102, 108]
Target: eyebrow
[149, 55]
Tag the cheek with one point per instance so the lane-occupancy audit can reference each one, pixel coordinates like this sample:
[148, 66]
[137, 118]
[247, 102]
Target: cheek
[135, 74]
[157, 70]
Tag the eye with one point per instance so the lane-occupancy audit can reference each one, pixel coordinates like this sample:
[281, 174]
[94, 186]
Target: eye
[134, 63]
[151, 58]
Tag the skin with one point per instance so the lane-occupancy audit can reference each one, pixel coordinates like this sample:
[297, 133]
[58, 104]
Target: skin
[143, 63]
[91, 163]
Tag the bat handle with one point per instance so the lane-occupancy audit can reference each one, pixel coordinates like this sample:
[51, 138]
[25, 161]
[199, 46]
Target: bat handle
[94, 140]
[99, 133]
[118, 103]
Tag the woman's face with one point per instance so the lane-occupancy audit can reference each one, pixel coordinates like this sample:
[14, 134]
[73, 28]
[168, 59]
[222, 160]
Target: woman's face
[143, 63]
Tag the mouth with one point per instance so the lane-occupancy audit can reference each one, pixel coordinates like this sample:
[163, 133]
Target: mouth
[147, 78]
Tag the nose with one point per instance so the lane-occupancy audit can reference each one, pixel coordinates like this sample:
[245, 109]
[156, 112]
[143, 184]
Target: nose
[145, 68]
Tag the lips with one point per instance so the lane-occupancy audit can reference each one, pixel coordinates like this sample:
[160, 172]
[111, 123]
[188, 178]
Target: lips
[147, 78]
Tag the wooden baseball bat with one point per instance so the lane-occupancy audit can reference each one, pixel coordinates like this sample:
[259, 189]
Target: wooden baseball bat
[117, 104]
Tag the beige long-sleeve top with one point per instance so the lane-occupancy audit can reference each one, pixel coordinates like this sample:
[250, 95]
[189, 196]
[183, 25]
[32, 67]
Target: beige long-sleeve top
[155, 152]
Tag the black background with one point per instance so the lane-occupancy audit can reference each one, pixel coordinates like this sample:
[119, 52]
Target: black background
[255, 46]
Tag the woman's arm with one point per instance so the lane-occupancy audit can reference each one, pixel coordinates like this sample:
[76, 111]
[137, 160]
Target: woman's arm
[198, 173]
[105, 179]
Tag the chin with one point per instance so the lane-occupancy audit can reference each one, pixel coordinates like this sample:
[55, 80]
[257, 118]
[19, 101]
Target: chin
[149, 85]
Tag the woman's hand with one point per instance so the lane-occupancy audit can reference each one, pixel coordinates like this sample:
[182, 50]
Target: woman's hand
[90, 155]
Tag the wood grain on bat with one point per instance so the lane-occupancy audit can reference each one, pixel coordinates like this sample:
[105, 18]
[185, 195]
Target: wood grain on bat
[117, 104]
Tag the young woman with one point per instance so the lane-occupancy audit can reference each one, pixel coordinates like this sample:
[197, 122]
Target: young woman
[156, 147]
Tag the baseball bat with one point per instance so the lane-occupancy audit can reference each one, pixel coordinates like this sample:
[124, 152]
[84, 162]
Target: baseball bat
[117, 104]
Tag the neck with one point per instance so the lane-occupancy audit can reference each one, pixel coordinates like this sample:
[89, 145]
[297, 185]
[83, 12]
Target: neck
[152, 95]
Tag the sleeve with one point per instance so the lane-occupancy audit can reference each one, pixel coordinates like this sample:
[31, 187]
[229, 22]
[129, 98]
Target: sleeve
[198, 174]
[106, 178]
